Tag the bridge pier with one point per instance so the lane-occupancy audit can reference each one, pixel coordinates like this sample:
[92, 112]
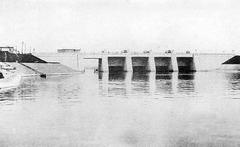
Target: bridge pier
[128, 64]
[174, 63]
[151, 64]
[103, 64]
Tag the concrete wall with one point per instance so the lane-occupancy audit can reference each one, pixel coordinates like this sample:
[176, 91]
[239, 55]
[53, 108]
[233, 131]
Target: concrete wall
[46, 68]
[207, 62]
[72, 60]
[235, 67]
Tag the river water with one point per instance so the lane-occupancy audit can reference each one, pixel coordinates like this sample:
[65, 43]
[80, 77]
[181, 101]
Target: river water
[123, 110]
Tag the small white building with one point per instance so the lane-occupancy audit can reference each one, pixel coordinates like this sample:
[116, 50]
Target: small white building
[69, 50]
[7, 48]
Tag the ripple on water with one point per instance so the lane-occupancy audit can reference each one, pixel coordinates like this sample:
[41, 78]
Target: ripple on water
[130, 109]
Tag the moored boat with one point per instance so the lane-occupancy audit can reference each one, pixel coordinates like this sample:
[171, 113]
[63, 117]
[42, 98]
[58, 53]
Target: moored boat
[8, 78]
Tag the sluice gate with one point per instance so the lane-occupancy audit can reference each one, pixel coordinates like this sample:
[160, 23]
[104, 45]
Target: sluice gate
[140, 64]
[164, 63]
[116, 64]
[186, 64]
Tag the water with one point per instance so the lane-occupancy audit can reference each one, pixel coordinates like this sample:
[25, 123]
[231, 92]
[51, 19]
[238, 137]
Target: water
[98, 110]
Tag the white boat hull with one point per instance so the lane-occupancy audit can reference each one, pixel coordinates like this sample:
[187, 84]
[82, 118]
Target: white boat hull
[10, 82]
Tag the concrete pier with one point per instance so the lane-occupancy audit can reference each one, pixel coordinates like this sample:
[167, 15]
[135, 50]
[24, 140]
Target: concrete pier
[151, 64]
[174, 63]
[103, 64]
[128, 64]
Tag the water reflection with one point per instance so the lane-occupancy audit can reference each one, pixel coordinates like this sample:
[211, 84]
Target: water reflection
[7, 93]
[8, 97]
[164, 84]
[186, 83]
[145, 84]
[232, 76]
[68, 93]
[125, 83]
[100, 75]
[121, 76]
[188, 76]
[117, 84]
[140, 85]
[28, 88]
[126, 109]
[233, 80]
[139, 77]
[164, 76]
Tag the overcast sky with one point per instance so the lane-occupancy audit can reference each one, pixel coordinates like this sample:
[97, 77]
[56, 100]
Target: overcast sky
[94, 25]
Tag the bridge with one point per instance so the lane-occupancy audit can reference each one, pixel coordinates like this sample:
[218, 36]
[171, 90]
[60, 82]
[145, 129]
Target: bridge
[156, 62]
[159, 62]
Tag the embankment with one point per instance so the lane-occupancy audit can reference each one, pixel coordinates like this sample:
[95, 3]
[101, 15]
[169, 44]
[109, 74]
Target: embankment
[31, 69]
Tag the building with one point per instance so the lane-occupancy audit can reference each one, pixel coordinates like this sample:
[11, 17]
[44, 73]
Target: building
[69, 50]
[7, 48]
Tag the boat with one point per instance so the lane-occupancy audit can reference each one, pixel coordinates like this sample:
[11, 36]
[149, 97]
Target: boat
[8, 78]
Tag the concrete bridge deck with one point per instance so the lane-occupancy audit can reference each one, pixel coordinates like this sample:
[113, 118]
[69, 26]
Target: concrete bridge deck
[100, 55]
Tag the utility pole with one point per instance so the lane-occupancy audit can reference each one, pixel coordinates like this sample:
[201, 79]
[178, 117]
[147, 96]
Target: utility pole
[15, 49]
[25, 48]
[22, 46]
[77, 62]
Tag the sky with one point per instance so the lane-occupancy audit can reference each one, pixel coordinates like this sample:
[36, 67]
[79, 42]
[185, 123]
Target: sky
[115, 25]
